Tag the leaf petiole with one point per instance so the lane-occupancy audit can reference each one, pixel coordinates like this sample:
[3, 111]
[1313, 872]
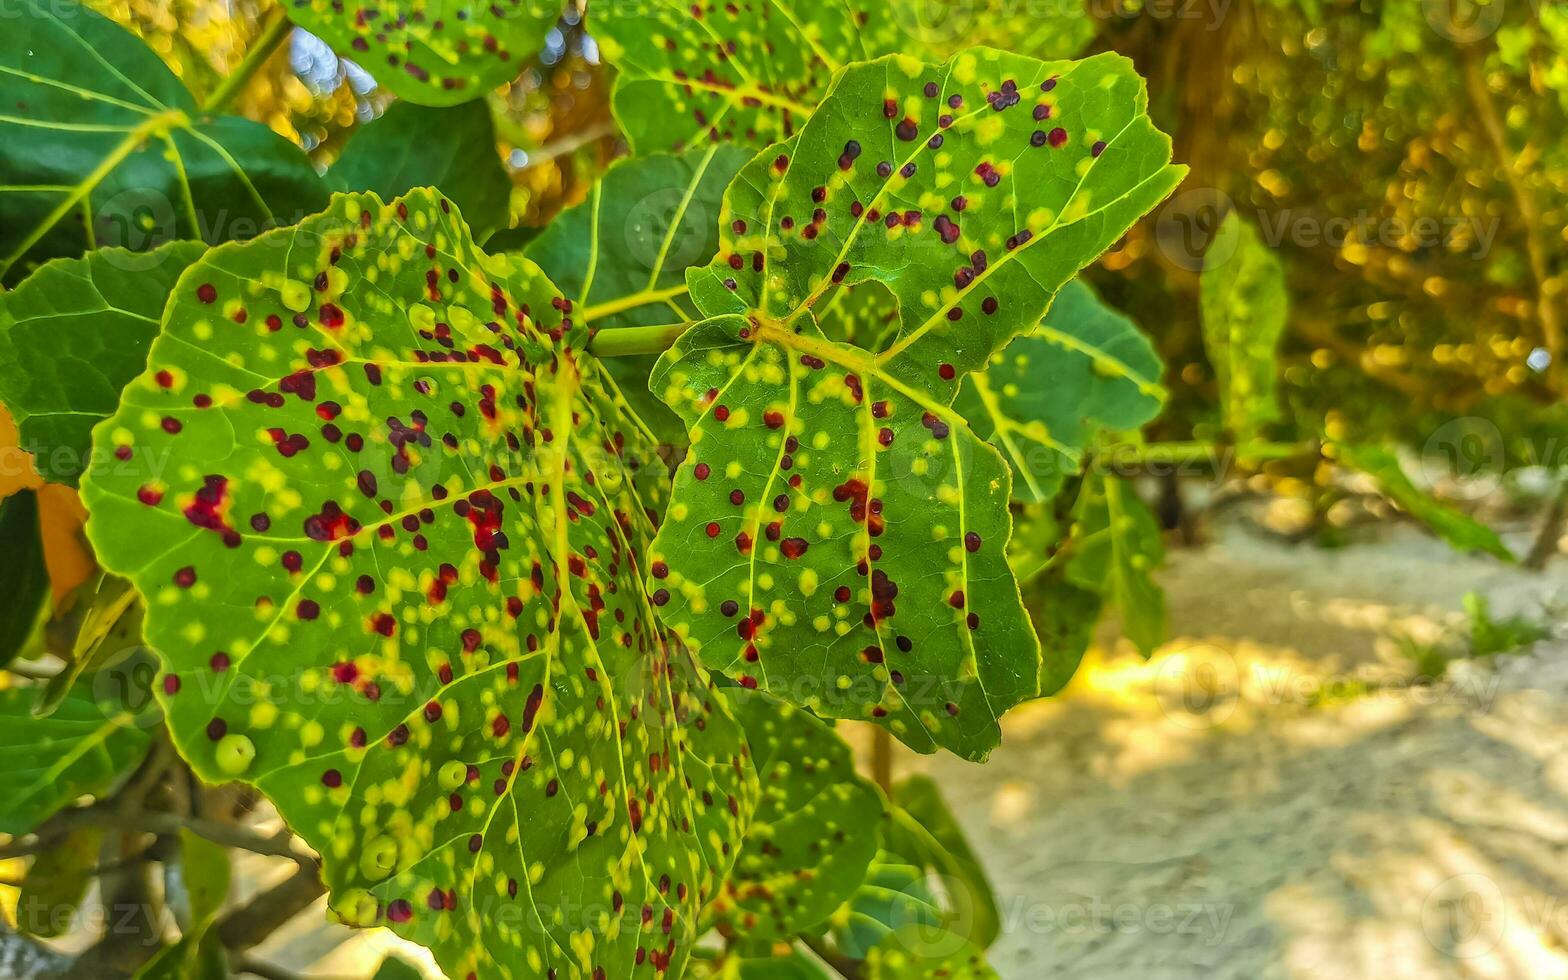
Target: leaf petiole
[274, 30]
[629, 341]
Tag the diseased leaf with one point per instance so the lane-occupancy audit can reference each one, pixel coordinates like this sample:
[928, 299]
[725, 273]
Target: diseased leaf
[622, 255]
[429, 53]
[393, 569]
[56, 883]
[1085, 368]
[451, 149]
[85, 748]
[24, 580]
[1116, 551]
[921, 953]
[72, 335]
[1243, 304]
[925, 830]
[837, 533]
[1460, 530]
[688, 75]
[814, 832]
[100, 144]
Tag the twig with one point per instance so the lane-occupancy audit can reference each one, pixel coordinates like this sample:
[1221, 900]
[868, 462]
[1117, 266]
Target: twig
[275, 29]
[250, 924]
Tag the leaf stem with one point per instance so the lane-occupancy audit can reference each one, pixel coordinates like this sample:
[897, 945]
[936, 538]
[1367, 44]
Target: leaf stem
[627, 341]
[275, 29]
[1176, 453]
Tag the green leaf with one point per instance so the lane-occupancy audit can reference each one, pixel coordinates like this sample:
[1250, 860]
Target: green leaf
[393, 570]
[85, 748]
[100, 144]
[1083, 369]
[922, 953]
[394, 968]
[834, 509]
[749, 73]
[1244, 304]
[24, 579]
[1461, 531]
[434, 55]
[795, 966]
[203, 876]
[929, 834]
[56, 883]
[621, 256]
[197, 956]
[895, 894]
[1118, 547]
[814, 832]
[942, 27]
[109, 635]
[74, 333]
[1064, 618]
[450, 149]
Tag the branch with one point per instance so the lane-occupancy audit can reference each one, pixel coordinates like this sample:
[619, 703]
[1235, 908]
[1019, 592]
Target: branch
[250, 924]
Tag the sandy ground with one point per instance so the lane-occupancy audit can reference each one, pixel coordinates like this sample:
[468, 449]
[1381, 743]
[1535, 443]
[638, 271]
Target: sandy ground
[1203, 815]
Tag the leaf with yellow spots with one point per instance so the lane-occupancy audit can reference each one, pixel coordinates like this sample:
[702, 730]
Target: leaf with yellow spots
[814, 833]
[392, 555]
[925, 953]
[101, 145]
[1085, 368]
[433, 53]
[696, 73]
[838, 533]
[622, 255]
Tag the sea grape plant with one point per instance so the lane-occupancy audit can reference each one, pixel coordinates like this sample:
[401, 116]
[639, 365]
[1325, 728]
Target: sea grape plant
[528, 586]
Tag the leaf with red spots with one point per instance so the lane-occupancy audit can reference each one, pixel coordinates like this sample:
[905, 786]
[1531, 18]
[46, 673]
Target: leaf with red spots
[689, 74]
[1084, 369]
[73, 334]
[433, 53]
[392, 556]
[838, 533]
[923, 953]
[622, 254]
[815, 829]
[97, 125]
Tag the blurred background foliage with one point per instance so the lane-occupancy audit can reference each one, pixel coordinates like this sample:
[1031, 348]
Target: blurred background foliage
[1404, 159]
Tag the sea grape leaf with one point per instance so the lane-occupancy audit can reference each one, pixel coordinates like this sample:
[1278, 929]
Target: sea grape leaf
[100, 144]
[1116, 551]
[73, 334]
[838, 534]
[1064, 618]
[24, 579]
[86, 747]
[688, 75]
[621, 256]
[895, 893]
[1460, 530]
[921, 953]
[393, 570]
[1243, 304]
[57, 882]
[451, 149]
[204, 875]
[925, 830]
[814, 832]
[435, 54]
[1085, 368]
[864, 315]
